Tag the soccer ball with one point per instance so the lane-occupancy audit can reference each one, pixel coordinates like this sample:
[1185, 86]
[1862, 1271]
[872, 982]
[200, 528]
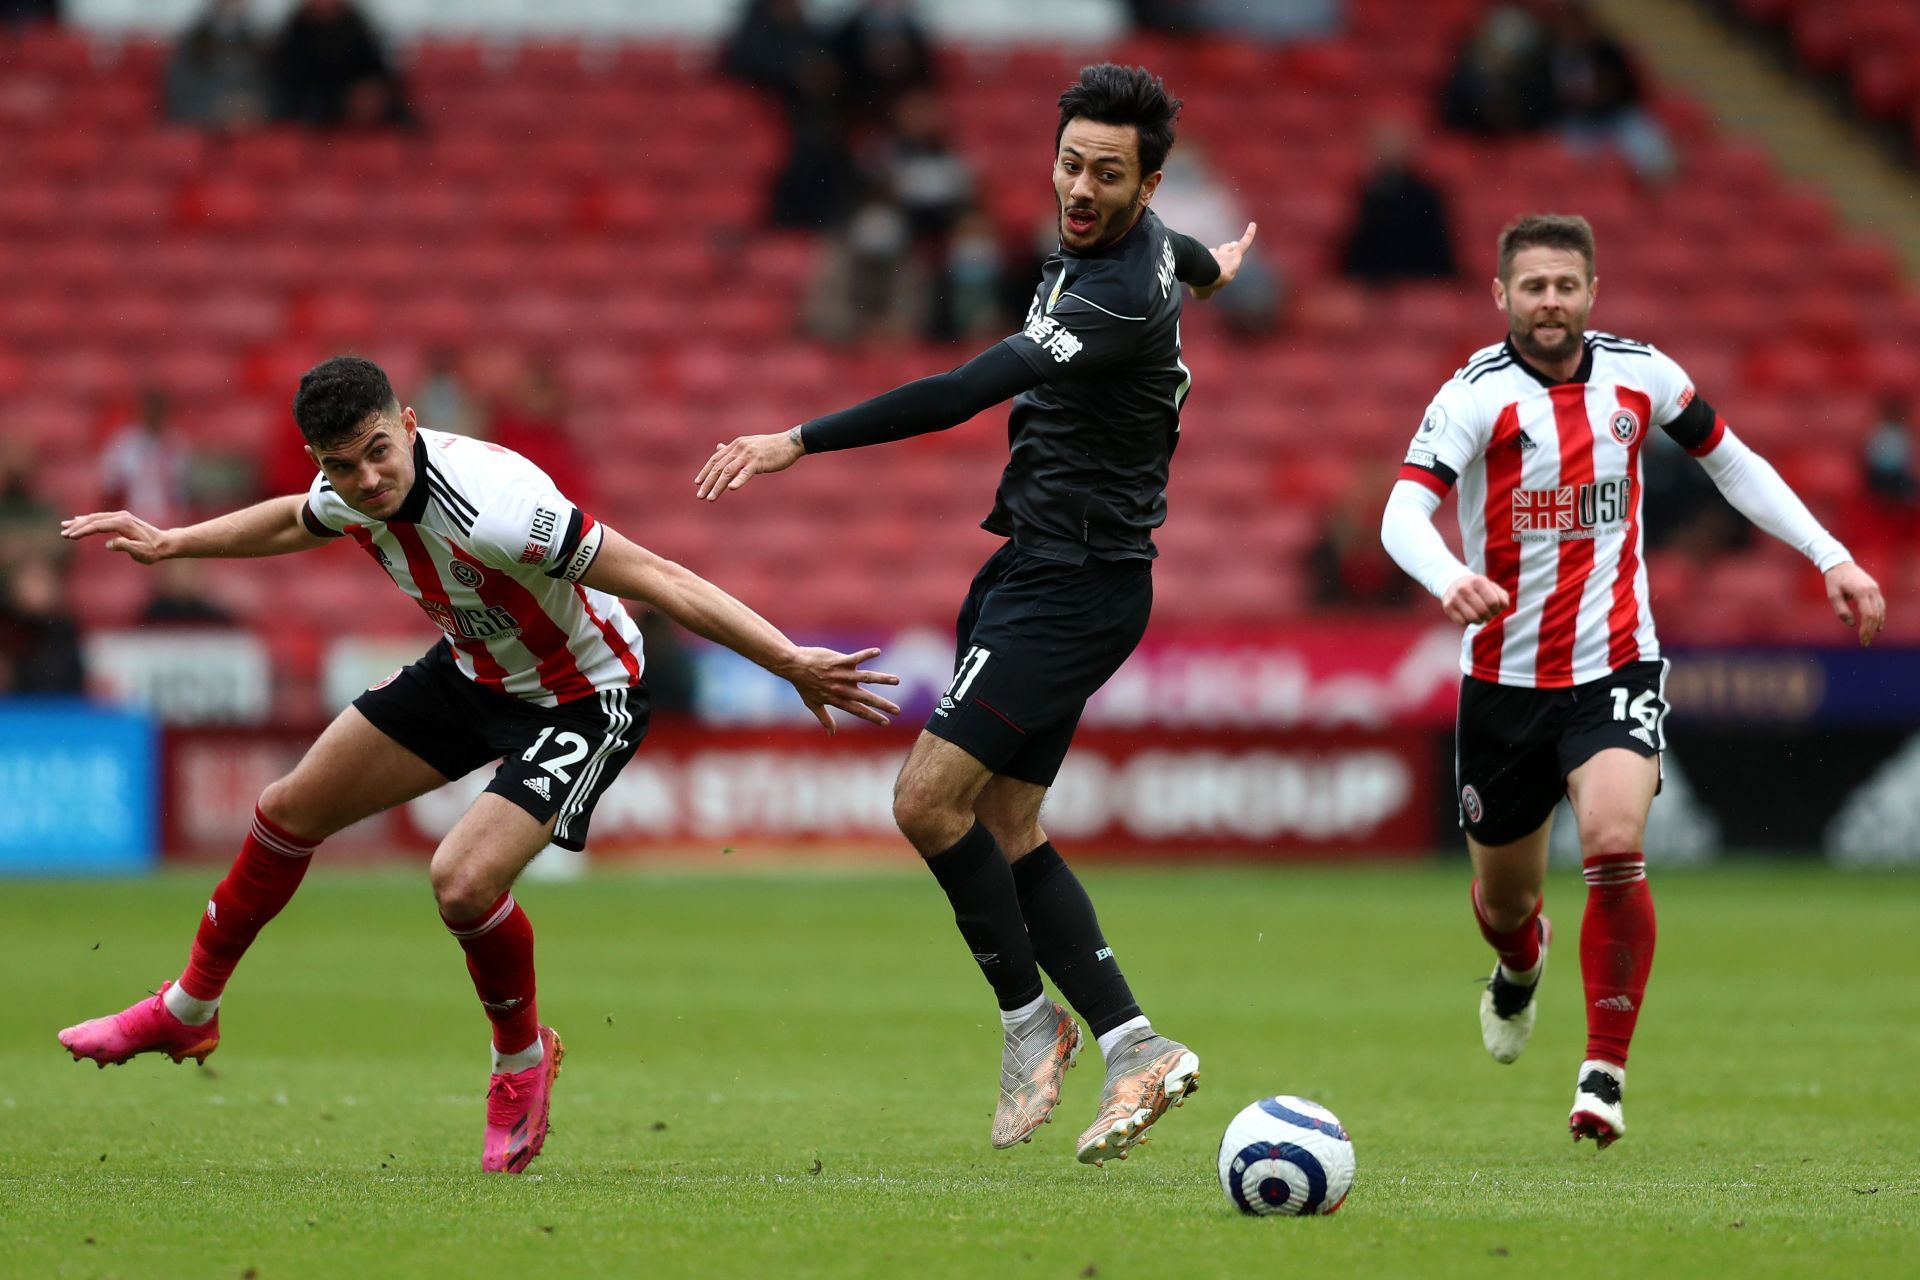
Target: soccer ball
[1286, 1156]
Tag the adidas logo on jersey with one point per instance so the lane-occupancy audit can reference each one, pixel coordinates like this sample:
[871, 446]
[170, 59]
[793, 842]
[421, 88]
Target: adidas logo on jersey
[1524, 443]
[1620, 1004]
[540, 787]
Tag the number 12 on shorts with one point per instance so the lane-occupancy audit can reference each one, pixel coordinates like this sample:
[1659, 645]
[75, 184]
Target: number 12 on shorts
[964, 675]
[576, 752]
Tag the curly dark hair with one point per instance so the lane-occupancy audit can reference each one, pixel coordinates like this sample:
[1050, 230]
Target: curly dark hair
[337, 396]
[1112, 94]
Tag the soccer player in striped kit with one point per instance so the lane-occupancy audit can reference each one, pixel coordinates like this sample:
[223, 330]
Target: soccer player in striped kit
[539, 667]
[1563, 692]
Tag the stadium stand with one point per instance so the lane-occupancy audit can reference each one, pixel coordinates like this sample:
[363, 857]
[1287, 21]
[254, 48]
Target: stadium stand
[602, 203]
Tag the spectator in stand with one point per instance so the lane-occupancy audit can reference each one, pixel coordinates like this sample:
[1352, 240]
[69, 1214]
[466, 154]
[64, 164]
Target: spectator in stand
[442, 399]
[673, 678]
[179, 599]
[218, 74]
[1271, 19]
[1887, 465]
[1502, 77]
[869, 284]
[144, 467]
[971, 300]
[21, 12]
[330, 70]
[776, 49]
[39, 641]
[928, 179]
[533, 423]
[1194, 199]
[1401, 229]
[28, 525]
[1598, 99]
[884, 54]
[1888, 516]
[1347, 568]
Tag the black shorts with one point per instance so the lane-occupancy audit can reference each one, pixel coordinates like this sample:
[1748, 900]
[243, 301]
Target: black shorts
[1514, 748]
[555, 762]
[1037, 638]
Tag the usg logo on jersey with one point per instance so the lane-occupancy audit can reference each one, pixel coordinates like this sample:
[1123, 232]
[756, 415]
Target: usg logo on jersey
[465, 574]
[1626, 425]
[539, 536]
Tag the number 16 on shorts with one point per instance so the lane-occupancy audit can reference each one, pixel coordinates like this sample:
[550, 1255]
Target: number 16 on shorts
[963, 677]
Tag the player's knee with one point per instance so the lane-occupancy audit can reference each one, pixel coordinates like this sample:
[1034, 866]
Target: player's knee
[285, 804]
[925, 817]
[1610, 833]
[1507, 907]
[461, 892]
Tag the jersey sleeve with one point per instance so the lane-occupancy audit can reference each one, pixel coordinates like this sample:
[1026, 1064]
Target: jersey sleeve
[325, 515]
[1091, 324]
[1452, 433]
[1680, 411]
[529, 524]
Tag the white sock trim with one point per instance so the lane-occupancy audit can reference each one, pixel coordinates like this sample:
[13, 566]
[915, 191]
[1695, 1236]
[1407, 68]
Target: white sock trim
[1011, 1018]
[191, 1011]
[1126, 1033]
[508, 1063]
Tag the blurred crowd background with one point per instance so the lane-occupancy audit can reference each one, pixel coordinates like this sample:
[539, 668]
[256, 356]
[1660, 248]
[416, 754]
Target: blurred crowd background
[611, 233]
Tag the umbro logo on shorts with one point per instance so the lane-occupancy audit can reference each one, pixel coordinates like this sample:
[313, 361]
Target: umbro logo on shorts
[540, 787]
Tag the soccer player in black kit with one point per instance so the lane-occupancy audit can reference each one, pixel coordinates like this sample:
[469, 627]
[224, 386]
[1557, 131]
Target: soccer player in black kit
[1097, 382]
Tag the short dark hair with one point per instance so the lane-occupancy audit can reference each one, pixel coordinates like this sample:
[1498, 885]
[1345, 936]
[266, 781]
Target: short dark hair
[337, 396]
[1112, 94]
[1546, 231]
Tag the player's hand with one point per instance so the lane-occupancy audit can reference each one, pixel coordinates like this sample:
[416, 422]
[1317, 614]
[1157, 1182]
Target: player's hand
[142, 543]
[1856, 599]
[741, 459]
[826, 678]
[1228, 256]
[1475, 598]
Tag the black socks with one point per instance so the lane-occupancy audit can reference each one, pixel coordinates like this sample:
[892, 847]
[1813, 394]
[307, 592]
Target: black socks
[986, 906]
[1067, 941]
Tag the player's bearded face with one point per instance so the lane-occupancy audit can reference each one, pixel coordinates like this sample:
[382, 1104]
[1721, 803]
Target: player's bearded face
[1548, 295]
[1097, 182]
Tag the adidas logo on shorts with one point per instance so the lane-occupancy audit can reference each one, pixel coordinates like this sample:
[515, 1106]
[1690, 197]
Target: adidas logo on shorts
[540, 787]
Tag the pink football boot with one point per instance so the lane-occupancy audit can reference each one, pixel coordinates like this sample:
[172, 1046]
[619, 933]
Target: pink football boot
[517, 1105]
[146, 1027]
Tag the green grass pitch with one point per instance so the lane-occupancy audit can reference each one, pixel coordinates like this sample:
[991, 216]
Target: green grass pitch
[792, 1075]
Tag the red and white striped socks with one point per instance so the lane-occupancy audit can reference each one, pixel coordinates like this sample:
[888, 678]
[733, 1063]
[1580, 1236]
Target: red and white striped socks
[1616, 950]
[262, 880]
[499, 947]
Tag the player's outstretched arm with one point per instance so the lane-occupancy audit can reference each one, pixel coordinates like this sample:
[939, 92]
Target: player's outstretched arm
[1407, 532]
[913, 409]
[1228, 258]
[1749, 482]
[270, 528]
[824, 677]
